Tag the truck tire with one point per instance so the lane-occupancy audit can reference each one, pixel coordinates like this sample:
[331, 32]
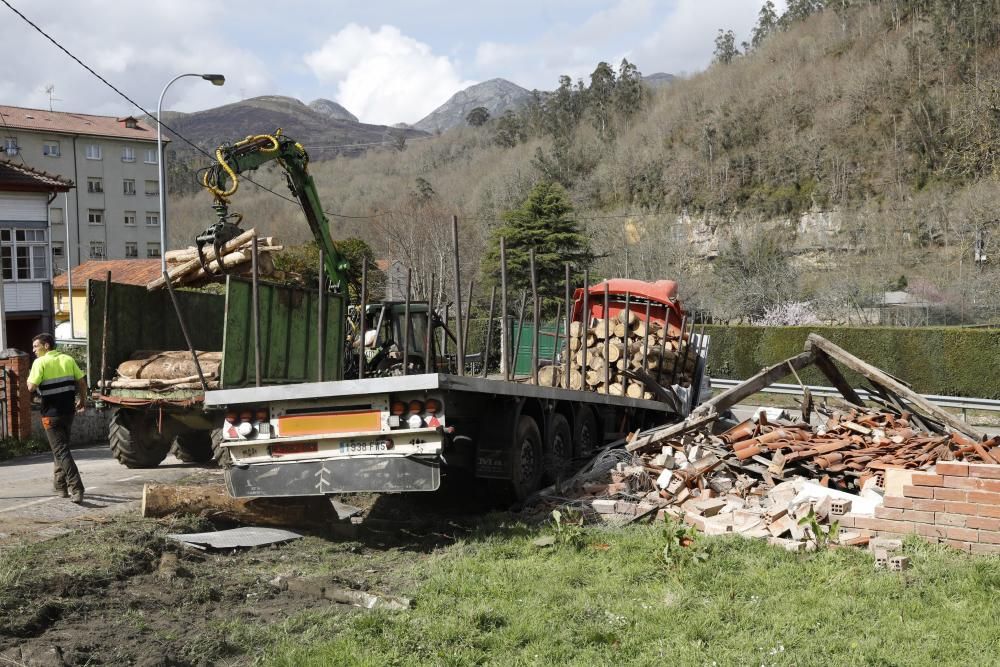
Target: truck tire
[193, 447]
[558, 449]
[526, 458]
[586, 438]
[219, 453]
[134, 440]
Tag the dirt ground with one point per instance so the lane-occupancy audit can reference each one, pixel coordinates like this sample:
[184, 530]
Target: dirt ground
[118, 592]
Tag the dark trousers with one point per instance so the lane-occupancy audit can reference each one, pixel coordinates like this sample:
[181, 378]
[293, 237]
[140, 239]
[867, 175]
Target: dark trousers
[66, 475]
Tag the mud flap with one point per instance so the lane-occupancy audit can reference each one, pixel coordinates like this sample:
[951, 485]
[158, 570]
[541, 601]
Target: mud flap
[352, 475]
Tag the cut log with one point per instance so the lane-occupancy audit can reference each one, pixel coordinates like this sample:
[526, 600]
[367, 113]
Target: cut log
[576, 329]
[628, 317]
[620, 330]
[598, 330]
[214, 503]
[575, 344]
[576, 380]
[616, 389]
[169, 365]
[594, 378]
[549, 376]
[194, 264]
[615, 351]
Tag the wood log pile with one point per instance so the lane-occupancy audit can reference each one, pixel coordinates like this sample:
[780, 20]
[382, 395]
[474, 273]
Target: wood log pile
[165, 371]
[184, 268]
[622, 356]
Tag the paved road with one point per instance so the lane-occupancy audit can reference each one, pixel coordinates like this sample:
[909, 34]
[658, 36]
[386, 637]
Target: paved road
[29, 510]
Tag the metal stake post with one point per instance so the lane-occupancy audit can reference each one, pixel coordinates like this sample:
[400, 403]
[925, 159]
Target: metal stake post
[321, 319]
[607, 337]
[585, 320]
[460, 342]
[535, 316]
[406, 322]
[361, 317]
[517, 341]
[184, 329]
[489, 332]
[504, 315]
[555, 337]
[627, 313]
[645, 343]
[255, 283]
[677, 355]
[468, 315]
[569, 319]
[104, 333]
[430, 327]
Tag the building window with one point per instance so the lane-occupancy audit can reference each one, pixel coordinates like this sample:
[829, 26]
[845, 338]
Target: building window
[129, 218]
[95, 185]
[97, 250]
[95, 216]
[150, 156]
[128, 186]
[128, 154]
[51, 149]
[93, 151]
[152, 250]
[24, 254]
[10, 146]
[131, 249]
[152, 188]
[57, 250]
[152, 219]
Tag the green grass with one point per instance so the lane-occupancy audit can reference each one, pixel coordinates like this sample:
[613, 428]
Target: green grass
[11, 448]
[503, 601]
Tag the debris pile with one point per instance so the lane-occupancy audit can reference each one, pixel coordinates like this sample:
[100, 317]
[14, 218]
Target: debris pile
[184, 267]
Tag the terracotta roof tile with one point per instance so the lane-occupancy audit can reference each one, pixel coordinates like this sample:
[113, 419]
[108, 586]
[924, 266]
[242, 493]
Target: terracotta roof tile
[20, 177]
[61, 122]
[127, 271]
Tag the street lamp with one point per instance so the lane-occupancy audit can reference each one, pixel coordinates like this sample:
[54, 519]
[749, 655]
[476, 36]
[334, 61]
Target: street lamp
[217, 80]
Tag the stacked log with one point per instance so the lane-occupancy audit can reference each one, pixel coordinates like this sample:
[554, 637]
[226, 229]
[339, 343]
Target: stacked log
[170, 370]
[634, 348]
[184, 267]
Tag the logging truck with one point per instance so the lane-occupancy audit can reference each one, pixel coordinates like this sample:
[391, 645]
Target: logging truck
[631, 360]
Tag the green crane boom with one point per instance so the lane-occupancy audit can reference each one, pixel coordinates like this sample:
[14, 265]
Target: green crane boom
[222, 180]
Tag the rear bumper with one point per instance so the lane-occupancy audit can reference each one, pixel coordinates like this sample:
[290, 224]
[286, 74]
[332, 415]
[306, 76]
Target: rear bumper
[344, 475]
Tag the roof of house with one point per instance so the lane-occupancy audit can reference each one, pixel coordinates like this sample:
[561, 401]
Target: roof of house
[127, 271]
[62, 122]
[19, 177]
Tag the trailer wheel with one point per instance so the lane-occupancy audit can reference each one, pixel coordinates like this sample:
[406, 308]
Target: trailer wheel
[586, 437]
[220, 454]
[526, 457]
[134, 440]
[558, 449]
[193, 447]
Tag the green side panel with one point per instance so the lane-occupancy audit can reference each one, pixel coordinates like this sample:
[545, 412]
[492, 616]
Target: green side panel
[142, 320]
[546, 343]
[289, 335]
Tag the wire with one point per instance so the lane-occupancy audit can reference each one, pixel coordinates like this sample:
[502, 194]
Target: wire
[158, 120]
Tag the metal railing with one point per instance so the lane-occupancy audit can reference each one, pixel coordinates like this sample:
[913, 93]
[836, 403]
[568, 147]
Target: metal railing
[962, 402]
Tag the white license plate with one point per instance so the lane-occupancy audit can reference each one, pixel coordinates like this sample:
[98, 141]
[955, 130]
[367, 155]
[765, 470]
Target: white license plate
[354, 447]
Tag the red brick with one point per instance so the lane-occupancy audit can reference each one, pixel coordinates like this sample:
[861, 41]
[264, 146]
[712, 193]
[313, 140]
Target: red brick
[989, 510]
[989, 484]
[972, 509]
[966, 534]
[952, 468]
[928, 505]
[951, 494]
[984, 549]
[911, 491]
[984, 498]
[927, 479]
[927, 530]
[984, 470]
[983, 523]
[901, 527]
[903, 515]
[952, 482]
[945, 519]
[989, 537]
[898, 502]
[958, 544]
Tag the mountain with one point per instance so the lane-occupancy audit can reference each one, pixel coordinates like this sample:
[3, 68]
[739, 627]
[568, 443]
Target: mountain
[497, 95]
[323, 135]
[332, 109]
[658, 79]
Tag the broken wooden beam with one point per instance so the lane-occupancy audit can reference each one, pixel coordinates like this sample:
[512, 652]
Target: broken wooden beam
[762, 380]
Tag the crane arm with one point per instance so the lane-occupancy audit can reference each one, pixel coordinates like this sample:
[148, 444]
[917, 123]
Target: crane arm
[222, 180]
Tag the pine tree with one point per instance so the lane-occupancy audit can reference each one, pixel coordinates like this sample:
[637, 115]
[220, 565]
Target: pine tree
[545, 223]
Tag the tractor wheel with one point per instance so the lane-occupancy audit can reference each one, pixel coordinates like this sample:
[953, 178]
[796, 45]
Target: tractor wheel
[193, 447]
[220, 454]
[134, 440]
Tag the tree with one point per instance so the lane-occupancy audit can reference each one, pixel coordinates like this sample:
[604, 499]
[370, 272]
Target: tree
[630, 94]
[509, 131]
[725, 47]
[543, 222]
[767, 21]
[755, 272]
[304, 261]
[600, 98]
[478, 117]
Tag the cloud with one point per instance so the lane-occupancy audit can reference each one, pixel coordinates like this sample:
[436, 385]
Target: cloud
[384, 76]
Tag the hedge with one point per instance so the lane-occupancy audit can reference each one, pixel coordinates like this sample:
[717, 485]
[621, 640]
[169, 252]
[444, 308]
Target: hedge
[934, 360]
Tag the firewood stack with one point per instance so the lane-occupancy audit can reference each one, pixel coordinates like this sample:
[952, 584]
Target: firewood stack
[184, 268]
[635, 350]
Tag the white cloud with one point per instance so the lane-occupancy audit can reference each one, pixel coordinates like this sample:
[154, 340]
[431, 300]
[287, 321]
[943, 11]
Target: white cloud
[384, 76]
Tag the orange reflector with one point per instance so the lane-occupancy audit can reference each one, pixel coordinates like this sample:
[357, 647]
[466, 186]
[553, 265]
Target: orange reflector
[330, 422]
[294, 448]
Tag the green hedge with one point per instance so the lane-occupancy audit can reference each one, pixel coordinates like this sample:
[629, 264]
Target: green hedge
[934, 360]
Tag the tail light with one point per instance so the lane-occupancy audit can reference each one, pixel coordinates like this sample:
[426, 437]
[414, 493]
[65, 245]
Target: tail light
[433, 406]
[263, 415]
[397, 408]
[415, 407]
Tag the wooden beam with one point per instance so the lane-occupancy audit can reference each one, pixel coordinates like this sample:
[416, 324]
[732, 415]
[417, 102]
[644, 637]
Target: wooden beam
[879, 377]
[651, 438]
[762, 380]
[836, 378]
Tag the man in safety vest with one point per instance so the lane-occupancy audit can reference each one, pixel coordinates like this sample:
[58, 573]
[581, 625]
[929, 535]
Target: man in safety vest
[58, 380]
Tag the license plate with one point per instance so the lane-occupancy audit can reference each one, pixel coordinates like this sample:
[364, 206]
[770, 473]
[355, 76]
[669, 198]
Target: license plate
[294, 448]
[355, 447]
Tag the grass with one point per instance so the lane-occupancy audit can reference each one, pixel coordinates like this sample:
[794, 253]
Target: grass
[501, 600]
[11, 448]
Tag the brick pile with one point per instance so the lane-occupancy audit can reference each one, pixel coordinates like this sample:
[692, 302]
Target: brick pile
[954, 503]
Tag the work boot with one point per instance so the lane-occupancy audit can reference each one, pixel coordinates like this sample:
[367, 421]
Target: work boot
[77, 496]
[62, 492]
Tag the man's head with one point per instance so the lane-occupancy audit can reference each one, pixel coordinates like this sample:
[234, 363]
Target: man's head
[42, 343]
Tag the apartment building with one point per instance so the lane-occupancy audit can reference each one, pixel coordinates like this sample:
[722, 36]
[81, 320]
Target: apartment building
[113, 213]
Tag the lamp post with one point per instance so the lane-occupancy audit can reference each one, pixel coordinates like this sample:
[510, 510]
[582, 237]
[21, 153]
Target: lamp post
[217, 80]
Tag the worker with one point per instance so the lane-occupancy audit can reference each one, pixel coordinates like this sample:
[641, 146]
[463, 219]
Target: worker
[58, 379]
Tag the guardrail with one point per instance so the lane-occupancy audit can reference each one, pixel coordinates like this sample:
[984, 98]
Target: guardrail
[962, 402]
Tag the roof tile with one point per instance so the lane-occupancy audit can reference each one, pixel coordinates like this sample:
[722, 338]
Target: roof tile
[127, 271]
[57, 122]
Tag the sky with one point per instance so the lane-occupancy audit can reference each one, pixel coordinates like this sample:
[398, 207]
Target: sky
[386, 61]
